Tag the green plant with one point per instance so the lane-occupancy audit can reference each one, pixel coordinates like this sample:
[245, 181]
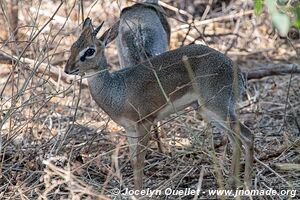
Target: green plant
[284, 13]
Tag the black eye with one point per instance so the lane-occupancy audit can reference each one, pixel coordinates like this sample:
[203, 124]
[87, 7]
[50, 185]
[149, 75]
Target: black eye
[90, 52]
[82, 58]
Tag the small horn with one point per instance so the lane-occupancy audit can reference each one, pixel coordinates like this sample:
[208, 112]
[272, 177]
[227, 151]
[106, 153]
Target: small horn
[97, 29]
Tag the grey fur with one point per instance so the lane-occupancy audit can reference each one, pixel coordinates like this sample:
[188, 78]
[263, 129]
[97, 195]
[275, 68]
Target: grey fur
[143, 32]
[134, 97]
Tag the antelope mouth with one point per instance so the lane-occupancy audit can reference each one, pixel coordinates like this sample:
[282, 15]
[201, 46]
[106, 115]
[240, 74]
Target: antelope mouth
[74, 72]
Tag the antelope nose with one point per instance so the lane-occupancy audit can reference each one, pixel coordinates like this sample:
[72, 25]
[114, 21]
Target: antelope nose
[67, 68]
[66, 71]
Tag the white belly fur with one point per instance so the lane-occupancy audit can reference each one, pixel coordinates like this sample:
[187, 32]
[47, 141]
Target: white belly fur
[178, 104]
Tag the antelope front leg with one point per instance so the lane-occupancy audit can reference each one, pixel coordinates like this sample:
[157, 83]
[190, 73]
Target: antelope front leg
[138, 138]
[248, 142]
[158, 136]
[245, 137]
[235, 139]
[235, 162]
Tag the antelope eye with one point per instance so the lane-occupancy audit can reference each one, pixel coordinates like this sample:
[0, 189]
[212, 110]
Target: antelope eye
[87, 53]
[90, 52]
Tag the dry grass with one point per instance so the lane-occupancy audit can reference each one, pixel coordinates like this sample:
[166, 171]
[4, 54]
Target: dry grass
[57, 144]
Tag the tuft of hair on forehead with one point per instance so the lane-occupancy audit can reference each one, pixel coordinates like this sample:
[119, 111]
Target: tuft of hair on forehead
[84, 38]
[79, 42]
[88, 34]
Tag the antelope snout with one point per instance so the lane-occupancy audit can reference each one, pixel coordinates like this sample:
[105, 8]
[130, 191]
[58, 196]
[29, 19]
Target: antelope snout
[66, 70]
[71, 69]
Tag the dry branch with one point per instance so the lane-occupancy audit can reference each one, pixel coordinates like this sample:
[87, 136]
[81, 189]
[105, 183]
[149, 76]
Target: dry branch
[14, 17]
[287, 166]
[54, 72]
[216, 19]
[57, 74]
[274, 70]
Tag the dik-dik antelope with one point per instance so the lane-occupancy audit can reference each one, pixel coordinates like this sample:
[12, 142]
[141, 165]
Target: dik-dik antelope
[142, 32]
[138, 96]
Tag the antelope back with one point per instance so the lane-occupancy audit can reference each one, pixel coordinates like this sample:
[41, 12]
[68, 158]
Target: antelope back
[143, 32]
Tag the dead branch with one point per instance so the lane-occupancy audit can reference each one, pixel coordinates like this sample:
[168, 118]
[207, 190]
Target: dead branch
[287, 166]
[54, 72]
[14, 17]
[274, 70]
[57, 73]
[216, 19]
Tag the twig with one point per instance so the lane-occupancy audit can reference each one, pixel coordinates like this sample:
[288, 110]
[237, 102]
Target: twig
[199, 185]
[270, 169]
[217, 19]
[71, 126]
[53, 71]
[27, 46]
[182, 12]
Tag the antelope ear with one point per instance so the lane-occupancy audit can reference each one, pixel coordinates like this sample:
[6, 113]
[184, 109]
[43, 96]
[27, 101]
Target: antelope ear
[110, 34]
[87, 22]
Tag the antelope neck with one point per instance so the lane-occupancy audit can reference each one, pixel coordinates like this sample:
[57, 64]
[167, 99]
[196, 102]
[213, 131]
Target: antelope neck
[108, 90]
